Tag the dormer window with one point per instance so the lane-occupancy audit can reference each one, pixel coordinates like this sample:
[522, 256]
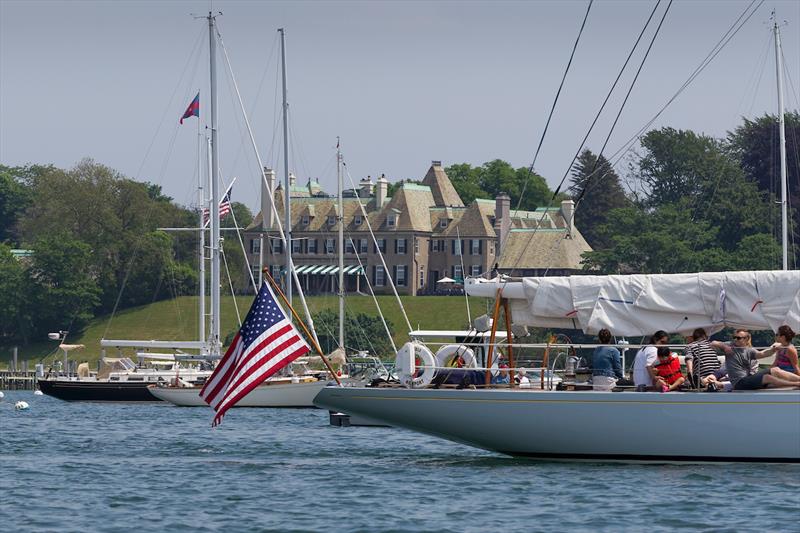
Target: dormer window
[443, 222]
[331, 220]
[357, 220]
[391, 220]
[306, 220]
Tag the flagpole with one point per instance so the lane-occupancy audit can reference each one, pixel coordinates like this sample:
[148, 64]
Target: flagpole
[302, 324]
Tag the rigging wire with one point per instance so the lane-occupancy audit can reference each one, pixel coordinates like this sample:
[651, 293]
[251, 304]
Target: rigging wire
[553, 107]
[624, 101]
[591, 127]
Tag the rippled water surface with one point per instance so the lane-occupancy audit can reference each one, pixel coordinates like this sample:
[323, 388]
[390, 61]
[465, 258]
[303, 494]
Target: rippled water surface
[97, 467]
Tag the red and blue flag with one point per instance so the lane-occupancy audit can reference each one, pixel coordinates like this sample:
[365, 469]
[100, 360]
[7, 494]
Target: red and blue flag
[193, 110]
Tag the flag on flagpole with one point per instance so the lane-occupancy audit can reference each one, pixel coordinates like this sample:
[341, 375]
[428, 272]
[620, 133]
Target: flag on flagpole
[266, 342]
[193, 110]
[224, 206]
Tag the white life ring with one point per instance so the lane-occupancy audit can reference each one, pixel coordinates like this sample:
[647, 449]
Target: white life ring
[406, 363]
[446, 353]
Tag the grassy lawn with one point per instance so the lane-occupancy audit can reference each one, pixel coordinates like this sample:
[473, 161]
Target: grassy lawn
[177, 320]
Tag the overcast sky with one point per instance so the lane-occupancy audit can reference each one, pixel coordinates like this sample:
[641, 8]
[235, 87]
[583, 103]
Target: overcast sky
[402, 83]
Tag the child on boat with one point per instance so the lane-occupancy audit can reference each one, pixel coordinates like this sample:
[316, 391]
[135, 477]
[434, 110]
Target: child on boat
[667, 374]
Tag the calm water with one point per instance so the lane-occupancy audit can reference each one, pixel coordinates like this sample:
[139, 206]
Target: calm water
[95, 467]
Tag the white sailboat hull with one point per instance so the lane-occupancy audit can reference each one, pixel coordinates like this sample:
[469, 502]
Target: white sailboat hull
[277, 395]
[628, 426]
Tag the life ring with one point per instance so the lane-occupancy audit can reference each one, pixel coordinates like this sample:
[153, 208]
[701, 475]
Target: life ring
[407, 366]
[459, 354]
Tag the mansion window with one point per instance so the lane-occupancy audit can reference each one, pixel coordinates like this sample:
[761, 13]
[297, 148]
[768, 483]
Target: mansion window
[312, 246]
[381, 246]
[363, 246]
[442, 222]
[348, 247]
[255, 246]
[330, 246]
[331, 220]
[457, 273]
[416, 245]
[475, 271]
[306, 220]
[391, 220]
[400, 275]
[276, 246]
[475, 247]
[378, 277]
[296, 246]
[357, 220]
[400, 246]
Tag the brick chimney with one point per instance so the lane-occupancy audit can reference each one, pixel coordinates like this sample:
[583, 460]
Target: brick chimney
[502, 219]
[568, 212]
[267, 189]
[381, 191]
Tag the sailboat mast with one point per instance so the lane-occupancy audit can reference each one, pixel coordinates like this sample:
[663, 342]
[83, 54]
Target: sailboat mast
[340, 217]
[202, 269]
[782, 128]
[214, 200]
[286, 189]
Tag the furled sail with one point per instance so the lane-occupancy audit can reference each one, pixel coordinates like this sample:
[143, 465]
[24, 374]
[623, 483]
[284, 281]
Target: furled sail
[641, 304]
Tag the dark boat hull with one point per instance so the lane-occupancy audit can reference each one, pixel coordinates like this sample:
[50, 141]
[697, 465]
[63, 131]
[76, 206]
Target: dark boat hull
[98, 391]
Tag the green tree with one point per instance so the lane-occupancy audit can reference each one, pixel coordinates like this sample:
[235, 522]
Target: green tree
[60, 292]
[596, 188]
[466, 181]
[15, 198]
[682, 165]
[756, 146]
[361, 332]
[12, 297]
[663, 240]
[494, 177]
[114, 217]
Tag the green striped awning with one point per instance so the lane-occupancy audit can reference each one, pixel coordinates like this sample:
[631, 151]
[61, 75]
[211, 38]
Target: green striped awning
[302, 268]
[316, 269]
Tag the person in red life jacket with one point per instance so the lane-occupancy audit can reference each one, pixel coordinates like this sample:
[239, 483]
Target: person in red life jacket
[667, 374]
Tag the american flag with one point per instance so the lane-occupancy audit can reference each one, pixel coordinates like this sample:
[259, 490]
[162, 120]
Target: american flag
[266, 343]
[224, 206]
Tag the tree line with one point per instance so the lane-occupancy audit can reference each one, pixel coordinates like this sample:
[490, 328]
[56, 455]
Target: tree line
[683, 202]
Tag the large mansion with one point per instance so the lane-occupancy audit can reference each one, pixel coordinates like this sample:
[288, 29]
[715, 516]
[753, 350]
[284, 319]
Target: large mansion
[425, 233]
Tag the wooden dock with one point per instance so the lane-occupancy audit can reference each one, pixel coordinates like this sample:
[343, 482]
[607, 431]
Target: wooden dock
[17, 380]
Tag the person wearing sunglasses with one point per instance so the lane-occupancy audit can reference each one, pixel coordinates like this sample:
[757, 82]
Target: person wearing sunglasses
[785, 365]
[739, 359]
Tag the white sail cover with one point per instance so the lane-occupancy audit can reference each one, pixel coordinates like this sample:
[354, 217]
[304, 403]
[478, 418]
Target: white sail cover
[644, 303]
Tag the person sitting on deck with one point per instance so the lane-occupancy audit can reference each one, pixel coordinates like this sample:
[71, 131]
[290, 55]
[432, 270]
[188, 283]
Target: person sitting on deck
[606, 364]
[739, 359]
[646, 357]
[667, 375]
[502, 377]
[702, 362]
[522, 379]
[786, 355]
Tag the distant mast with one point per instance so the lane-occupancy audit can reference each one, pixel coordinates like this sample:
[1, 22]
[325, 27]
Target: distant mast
[287, 191]
[340, 217]
[213, 210]
[782, 128]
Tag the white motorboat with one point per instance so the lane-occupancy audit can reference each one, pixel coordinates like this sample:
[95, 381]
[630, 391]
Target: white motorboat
[275, 392]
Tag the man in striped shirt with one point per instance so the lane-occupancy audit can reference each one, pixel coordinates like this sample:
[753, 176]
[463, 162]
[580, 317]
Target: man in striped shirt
[702, 360]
